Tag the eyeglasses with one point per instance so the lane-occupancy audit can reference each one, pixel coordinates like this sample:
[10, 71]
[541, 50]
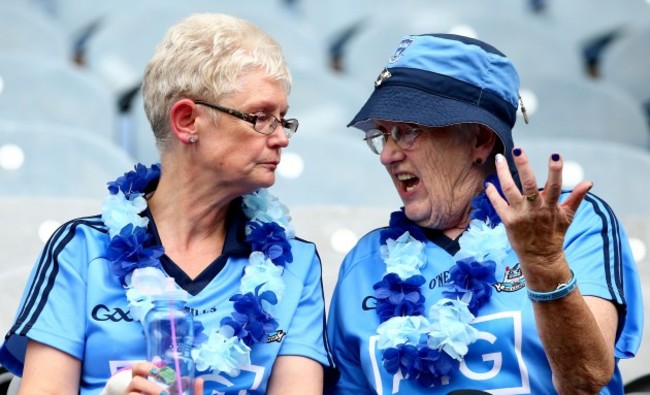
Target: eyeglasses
[404, 136]
[262, 123]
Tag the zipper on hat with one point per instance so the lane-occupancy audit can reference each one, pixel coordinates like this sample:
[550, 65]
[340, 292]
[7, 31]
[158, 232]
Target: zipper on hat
[523, 110]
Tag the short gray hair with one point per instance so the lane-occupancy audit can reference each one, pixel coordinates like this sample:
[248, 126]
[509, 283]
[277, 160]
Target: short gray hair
[201, 57]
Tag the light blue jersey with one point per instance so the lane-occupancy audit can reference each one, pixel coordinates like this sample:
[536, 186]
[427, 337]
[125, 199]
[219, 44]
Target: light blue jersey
[73, 302]
[508, 357]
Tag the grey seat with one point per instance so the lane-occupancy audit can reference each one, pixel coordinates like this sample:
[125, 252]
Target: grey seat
[127, 37]
[581, 109]
[579, 21]
[325, 102]
[27, 29]
[55, 160]
[27, 223]
[324, 169]
[626, 64]
[335, 229]
[141, 139]
[38, 88]
[618, 171]
[522, 40]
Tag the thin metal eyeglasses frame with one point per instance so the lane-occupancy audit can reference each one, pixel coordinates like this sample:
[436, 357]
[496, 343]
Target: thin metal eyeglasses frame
[395, 134]
[289, 126]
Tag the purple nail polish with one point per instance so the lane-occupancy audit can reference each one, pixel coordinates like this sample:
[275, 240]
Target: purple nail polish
[555, 157]
[516, 151]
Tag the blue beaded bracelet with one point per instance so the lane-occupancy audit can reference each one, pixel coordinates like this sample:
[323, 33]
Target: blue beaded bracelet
[561, 291]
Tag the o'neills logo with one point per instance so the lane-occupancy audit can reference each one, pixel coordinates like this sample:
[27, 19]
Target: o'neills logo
[276, 336]
[513, 280]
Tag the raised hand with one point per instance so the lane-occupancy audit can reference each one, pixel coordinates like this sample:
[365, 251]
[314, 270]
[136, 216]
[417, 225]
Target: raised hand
[536, 222]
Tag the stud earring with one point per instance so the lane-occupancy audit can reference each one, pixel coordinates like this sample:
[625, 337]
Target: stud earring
[478, 162]
[193, 139]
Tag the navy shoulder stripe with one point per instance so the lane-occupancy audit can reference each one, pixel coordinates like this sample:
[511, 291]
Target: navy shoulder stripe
[47, 269]
[612, 255]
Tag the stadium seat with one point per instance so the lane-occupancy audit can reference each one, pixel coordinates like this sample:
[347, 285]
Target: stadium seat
[142, 141]
[29, 220]
[335, 229]
[592, 26]
[5, 380]
[14, 386]
[578, 21]
[524, 42]
[322, 169]
[126, 39]
[333, 18]
[618, 171]
[41, 89]
[581, 109]
[27, 223]
[25, 29]
[55, 160]
[78, 18]
[325, 102]
[626, 64]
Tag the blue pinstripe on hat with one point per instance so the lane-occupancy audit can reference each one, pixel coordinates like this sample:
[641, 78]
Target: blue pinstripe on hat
[446, 79]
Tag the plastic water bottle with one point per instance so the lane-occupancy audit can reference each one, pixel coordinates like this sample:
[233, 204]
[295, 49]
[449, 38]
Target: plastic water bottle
[169, 330]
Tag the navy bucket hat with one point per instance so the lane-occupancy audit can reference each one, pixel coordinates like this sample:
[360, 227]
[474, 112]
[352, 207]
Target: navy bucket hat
[445, 79]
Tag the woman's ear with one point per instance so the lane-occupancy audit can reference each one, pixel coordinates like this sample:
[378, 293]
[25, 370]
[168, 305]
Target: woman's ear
[484, 143]
[182, 121]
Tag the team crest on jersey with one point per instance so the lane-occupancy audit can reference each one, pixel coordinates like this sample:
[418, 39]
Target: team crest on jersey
[405, 43]
[276, 336]
[513, 280]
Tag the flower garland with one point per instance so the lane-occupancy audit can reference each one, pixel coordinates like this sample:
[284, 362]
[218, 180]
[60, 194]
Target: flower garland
[135, 260]
[428, 347]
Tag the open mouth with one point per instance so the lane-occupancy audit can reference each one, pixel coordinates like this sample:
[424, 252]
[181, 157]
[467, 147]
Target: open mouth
[408, 182]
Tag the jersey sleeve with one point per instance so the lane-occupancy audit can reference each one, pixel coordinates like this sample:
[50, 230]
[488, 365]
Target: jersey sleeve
[598, 251]
[306, 332]
[52, 308]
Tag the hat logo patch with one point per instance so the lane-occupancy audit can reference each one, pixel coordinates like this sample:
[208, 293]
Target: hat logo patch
[405, 43]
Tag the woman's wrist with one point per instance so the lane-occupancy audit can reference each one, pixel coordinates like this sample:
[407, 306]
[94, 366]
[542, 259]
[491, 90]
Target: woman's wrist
[561, 291]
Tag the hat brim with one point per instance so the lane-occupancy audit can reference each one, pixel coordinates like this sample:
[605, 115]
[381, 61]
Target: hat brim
[411, 105]
[398, 103]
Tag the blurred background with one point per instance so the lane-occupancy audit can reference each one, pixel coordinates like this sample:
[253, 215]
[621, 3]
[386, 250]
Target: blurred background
[71, 113]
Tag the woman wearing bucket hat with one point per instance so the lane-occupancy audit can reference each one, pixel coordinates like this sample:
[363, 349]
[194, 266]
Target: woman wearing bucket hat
[481, 281]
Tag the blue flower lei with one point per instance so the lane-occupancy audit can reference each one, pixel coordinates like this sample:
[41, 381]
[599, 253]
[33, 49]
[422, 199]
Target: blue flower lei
[428, 347]
[135, 260]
